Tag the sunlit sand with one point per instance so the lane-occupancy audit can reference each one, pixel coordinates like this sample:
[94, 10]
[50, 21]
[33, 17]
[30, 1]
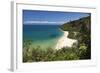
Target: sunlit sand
[64, 41]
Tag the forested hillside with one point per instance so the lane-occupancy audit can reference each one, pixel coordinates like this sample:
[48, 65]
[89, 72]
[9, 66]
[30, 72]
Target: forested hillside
[81, 30]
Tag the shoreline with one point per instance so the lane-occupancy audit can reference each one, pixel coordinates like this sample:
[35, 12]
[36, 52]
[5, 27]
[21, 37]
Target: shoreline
[64, 41]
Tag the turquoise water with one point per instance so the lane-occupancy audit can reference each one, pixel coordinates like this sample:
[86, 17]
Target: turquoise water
[43, 36]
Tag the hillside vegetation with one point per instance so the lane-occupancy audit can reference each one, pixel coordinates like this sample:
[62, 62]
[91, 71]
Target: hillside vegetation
[81, 30]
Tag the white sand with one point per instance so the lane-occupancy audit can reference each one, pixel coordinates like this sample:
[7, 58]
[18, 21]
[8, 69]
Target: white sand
[64, 41]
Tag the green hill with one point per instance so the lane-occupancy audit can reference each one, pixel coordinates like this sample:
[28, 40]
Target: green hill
[76, 25]
[81, 30]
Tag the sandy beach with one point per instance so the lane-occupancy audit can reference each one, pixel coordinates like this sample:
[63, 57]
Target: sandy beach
[64, 41]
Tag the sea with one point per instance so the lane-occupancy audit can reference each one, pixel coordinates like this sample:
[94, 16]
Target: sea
[43, 36]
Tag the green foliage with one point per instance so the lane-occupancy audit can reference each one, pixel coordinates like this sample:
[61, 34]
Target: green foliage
[38, 54]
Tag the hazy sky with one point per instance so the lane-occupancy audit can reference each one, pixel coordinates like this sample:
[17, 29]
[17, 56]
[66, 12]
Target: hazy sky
[34, 17]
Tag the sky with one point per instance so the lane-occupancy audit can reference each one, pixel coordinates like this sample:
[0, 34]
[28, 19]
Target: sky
[34, 17]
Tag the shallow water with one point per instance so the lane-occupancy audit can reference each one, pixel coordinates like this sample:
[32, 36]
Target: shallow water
[43, 36]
